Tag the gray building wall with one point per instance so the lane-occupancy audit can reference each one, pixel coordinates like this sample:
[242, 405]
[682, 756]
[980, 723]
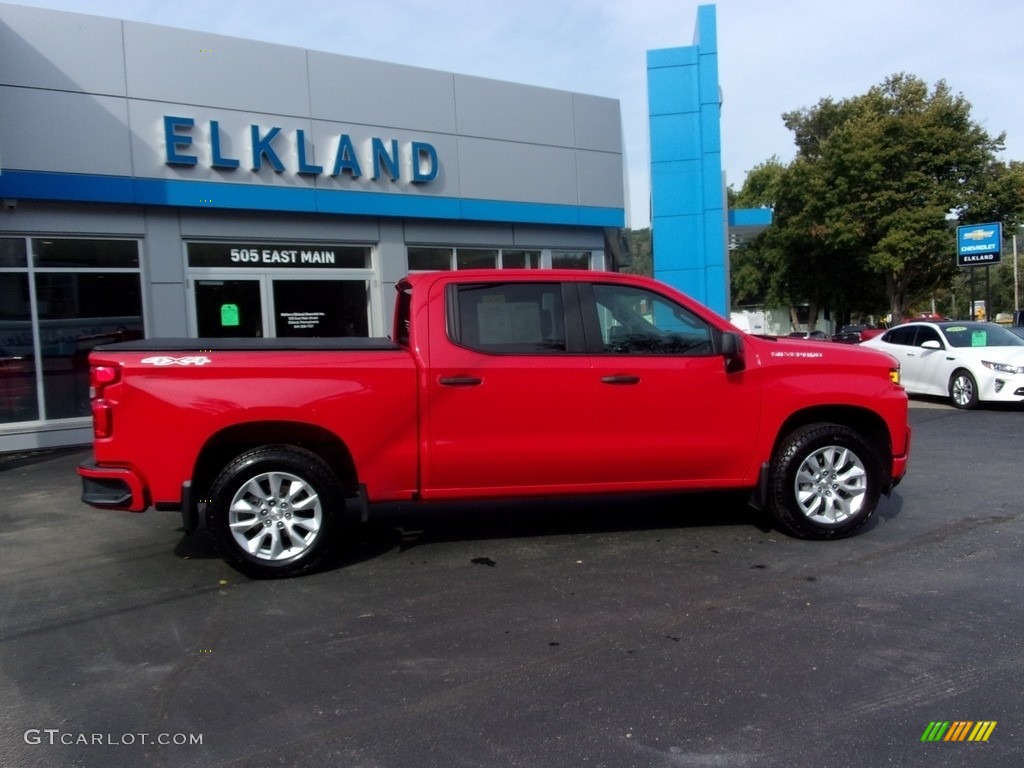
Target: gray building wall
[495, 141]
[85, 153]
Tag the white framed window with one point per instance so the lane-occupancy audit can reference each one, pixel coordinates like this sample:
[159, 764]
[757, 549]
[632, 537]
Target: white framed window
[438, 258]
[59, 298]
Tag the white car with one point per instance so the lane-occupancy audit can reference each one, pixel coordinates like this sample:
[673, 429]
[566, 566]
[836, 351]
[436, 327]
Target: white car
[965, 361]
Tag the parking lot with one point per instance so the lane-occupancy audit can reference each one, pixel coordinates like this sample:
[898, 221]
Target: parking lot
[667, 631]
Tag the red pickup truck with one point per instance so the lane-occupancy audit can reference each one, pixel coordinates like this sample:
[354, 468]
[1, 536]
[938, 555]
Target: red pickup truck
[496, 384]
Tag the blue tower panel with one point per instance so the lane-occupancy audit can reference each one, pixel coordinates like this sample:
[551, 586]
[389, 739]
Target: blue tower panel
[687, 196]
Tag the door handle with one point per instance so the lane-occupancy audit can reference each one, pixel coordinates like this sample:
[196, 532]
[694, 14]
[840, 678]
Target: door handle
[460, 381]
[620, 379]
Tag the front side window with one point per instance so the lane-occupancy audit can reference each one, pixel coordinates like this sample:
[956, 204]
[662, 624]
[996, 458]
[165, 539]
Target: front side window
[509, 318]
[925, 333]
[634, 321]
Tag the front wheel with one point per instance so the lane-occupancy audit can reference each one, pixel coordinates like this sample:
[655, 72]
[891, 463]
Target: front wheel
[273, 511]
[824, 482]
[963, 389]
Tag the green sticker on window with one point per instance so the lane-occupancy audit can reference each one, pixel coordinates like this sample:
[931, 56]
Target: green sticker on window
[229, 315]
[979, 338]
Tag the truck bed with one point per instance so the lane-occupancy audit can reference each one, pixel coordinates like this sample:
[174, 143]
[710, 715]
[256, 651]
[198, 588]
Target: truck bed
[331, 344]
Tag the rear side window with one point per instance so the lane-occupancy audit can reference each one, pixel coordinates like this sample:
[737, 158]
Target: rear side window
[508, 318]
[403, 319]
[901, 335]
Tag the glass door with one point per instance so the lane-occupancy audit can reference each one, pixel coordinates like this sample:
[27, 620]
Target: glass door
[236, 307]
[321, 307]
[229, 308]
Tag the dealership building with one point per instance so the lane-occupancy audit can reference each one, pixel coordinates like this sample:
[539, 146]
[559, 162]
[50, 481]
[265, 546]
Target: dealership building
[164, 182]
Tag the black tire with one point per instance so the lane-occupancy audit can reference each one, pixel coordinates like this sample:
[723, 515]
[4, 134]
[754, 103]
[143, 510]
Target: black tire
[824, 482]
[274, 511]
[963, 389]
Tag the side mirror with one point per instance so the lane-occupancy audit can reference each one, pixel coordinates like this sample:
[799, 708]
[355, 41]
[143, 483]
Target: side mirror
[931, 344]
[732, 350]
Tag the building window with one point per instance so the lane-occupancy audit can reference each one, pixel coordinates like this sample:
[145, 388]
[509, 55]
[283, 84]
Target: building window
[433, 259]
[430, 259]
[60, 298]
[85, 254]
[476, 258]
[571, 259]
[18, 393]
[520, 259]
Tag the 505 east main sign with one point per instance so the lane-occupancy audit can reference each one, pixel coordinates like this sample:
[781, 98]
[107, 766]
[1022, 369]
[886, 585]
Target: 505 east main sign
[378, 157]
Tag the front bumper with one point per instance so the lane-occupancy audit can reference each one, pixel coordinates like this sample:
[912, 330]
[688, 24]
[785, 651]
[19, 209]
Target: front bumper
[1002, 388]
[899, 462]
[112, 487]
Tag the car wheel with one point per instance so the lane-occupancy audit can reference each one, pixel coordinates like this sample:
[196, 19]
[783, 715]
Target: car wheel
[963, 389]
[824, 482]
[273, 511]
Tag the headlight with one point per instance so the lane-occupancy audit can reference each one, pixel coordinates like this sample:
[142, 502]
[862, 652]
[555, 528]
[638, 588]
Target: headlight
[1003, 367]
[894, 375]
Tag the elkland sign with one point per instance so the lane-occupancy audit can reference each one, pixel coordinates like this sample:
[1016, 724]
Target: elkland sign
[377, 157]
[979, 244]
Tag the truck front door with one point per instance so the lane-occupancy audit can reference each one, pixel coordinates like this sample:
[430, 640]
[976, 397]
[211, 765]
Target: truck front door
[666, 411]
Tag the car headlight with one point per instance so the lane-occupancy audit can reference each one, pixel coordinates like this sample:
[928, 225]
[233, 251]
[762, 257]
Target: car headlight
[894, 375]
[1003, 367]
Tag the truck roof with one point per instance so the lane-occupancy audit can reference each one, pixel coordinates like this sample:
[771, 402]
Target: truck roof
[516, 275]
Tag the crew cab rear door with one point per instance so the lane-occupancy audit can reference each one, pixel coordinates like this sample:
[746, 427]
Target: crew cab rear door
[509, 391]
[666, 410]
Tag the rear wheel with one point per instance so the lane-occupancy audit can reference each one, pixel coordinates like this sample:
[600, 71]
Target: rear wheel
[963, 389]
[824, 483]
[274, 510]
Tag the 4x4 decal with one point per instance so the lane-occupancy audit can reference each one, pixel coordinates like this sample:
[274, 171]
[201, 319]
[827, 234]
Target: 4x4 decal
[163, 360]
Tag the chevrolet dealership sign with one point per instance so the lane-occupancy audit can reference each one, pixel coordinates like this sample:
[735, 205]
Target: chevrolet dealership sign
[979, 244]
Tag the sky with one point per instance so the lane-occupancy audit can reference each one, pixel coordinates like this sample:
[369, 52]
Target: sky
[774, 57]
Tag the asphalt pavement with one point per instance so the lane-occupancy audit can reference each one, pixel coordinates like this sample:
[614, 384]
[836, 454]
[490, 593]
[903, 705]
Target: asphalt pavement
[667, 631]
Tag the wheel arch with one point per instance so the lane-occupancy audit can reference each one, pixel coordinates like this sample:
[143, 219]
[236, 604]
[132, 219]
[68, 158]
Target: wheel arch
[974, 397]
[866, 422]
[232, 441]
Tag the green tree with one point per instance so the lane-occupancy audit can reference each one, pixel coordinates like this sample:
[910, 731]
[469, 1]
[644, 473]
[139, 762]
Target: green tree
[793, 262]
[749, 265]
[864, 210]
[640, 251]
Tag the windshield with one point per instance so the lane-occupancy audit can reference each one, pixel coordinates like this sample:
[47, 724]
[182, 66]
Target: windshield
[980, 335]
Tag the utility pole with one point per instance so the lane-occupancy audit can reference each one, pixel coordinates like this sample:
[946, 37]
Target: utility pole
[1016, 280]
